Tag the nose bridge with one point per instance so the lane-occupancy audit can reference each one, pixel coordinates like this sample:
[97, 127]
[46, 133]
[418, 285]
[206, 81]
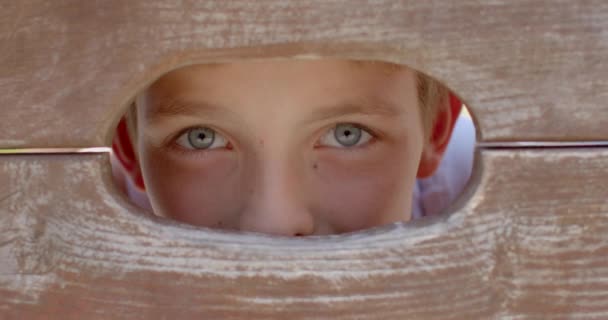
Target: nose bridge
[276, 204]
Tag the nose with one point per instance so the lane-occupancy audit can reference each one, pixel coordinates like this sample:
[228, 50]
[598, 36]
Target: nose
[276, 204]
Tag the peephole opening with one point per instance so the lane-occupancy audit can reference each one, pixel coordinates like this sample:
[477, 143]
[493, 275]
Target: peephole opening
[294, 147]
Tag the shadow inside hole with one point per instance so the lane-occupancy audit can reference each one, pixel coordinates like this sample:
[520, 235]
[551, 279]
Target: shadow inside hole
[294, 147]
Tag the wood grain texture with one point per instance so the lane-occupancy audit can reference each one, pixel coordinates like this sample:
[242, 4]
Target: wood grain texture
[530, 243]
[530, 70]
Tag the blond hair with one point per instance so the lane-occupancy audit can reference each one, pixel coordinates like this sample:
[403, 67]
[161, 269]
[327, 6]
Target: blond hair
[432, 95]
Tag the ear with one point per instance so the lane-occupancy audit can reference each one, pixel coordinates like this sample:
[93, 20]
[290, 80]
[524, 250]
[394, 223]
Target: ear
[124, 152]
[435, 147]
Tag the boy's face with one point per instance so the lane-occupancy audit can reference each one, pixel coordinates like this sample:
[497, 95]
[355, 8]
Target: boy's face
[292, 147]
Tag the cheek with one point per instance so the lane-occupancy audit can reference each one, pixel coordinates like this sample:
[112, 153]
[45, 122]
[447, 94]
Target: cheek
[201, 191]
[355, 195]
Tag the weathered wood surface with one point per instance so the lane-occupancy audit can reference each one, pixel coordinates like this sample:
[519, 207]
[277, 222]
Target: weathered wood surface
[531, 70]
[531, 242]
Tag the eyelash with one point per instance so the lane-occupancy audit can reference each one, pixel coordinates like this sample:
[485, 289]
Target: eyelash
[172, 144]
[172, 141]
[374, 136]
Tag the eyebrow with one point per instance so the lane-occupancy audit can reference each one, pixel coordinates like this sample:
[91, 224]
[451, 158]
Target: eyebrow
[369, 106]
[175, 107]
[375, 107]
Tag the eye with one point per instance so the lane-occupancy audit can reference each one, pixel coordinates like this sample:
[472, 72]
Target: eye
[201, 138]
[345, 135]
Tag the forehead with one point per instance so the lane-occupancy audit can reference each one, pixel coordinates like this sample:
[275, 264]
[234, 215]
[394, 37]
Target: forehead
[274, 86]
[303, 70]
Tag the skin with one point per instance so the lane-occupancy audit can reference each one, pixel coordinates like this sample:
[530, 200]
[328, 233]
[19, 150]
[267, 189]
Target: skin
[281, 171]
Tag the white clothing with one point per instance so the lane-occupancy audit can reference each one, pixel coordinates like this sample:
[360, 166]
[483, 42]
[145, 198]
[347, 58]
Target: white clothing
[434, 194]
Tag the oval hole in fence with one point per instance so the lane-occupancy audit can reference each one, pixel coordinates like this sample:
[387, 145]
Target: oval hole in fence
[294, 147]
